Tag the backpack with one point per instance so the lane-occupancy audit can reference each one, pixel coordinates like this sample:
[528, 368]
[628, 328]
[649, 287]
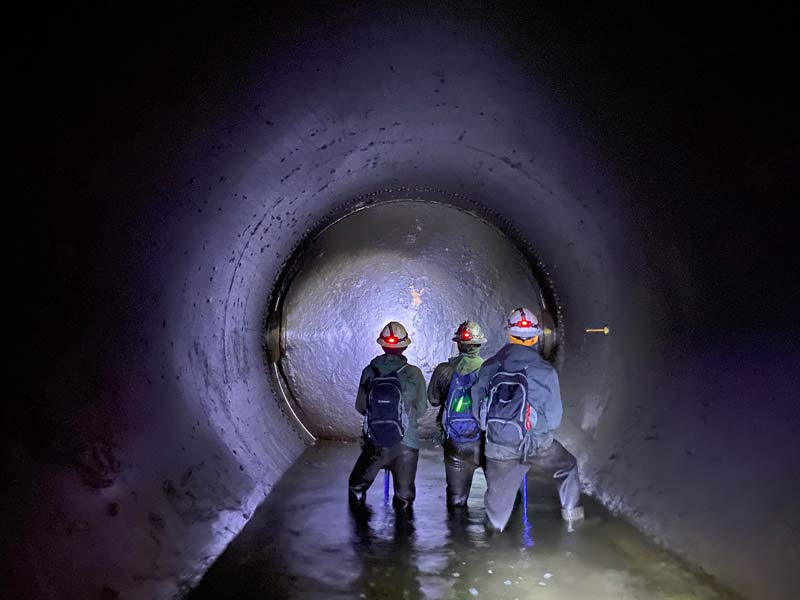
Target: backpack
[508, 415]
[385, 420]
[457, 421]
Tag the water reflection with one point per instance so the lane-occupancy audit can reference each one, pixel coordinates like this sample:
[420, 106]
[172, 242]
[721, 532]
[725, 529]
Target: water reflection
[388, 569]
[305, 542]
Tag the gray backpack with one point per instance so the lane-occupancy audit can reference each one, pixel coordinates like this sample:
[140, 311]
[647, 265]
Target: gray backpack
[508, 415]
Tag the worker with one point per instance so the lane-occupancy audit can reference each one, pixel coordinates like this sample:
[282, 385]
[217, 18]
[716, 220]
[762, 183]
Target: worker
[518, 403]
[460, 433]
[391, 397]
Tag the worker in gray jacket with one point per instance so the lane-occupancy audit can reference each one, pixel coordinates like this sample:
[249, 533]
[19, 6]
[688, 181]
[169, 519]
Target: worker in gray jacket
[518, 403]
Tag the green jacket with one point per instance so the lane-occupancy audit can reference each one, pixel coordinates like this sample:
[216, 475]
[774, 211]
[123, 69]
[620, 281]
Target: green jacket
[439, 386]
[412, 385]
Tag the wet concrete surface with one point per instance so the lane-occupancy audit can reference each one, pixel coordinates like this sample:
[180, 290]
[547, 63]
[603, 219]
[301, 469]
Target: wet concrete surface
[304, 542]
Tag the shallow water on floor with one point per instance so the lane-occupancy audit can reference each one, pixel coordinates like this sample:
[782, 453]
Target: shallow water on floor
[304, 542]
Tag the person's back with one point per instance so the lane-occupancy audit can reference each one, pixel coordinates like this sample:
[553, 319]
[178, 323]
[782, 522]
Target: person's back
[461, 437]
[543, 394]
[391, 397]
[518, 402]
[412, 385]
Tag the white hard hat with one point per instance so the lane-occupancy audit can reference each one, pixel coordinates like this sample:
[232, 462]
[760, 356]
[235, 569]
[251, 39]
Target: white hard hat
[470, 333]
[394, 335]
[523, 323]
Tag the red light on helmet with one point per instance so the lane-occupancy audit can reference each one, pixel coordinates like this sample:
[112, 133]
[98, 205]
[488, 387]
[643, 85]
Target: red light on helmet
[466, 334]
[524, 323]
[391, 339]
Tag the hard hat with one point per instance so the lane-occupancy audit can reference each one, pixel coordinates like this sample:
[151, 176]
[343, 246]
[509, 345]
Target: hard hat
[523, 323]
[394, 335]
[469, 332]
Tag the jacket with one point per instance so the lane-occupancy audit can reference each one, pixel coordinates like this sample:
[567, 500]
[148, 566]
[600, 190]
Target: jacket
[544, 394]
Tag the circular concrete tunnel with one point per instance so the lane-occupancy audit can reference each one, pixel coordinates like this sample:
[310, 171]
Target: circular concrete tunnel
[428, 265]
[197, 226]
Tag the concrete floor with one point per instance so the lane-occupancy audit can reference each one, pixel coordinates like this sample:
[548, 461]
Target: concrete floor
[303, 542]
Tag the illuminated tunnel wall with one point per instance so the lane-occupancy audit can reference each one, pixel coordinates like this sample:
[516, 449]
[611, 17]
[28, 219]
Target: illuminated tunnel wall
[152, 429]
[428, 265]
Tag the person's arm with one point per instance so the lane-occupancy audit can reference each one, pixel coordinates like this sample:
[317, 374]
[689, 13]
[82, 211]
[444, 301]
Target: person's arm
[435, 393]
[363, 387]
[554, 407]
[480, 389]
[548, 391]
[420, 401]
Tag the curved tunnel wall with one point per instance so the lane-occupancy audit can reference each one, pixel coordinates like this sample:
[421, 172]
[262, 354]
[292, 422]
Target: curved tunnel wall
[166, 432]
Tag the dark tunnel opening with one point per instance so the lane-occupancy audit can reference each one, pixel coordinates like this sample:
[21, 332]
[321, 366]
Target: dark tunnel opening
[175, 164]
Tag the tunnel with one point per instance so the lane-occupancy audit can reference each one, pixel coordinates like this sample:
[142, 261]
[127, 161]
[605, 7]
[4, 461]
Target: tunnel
[422, 263]
[220, 207]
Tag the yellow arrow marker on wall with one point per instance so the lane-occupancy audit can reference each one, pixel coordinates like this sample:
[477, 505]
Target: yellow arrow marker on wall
[604, 330]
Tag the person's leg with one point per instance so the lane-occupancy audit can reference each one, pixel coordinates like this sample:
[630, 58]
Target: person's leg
[403, 466]
[559, 463]
[460, 462]
[503, 478]
[369, 463]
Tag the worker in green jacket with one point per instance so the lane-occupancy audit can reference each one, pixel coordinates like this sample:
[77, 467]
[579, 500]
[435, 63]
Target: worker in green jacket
[391, 396]
[460, 432]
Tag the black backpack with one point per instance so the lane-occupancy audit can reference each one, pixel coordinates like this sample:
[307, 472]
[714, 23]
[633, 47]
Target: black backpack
[385, 420]
[508, 414]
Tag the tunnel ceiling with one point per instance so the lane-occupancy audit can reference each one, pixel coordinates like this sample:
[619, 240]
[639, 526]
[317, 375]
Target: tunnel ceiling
[428, 265]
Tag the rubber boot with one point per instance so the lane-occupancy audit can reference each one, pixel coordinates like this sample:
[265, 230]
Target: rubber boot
[458, 513]
[355, 500]
[403, 507]
[570, 515]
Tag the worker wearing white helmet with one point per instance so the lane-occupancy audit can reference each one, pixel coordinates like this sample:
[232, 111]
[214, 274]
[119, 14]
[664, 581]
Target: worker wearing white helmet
[520, 406]
[461, 436]
[391, 397]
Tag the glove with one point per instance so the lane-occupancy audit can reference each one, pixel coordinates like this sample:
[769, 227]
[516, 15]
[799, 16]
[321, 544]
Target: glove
[527, 446]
